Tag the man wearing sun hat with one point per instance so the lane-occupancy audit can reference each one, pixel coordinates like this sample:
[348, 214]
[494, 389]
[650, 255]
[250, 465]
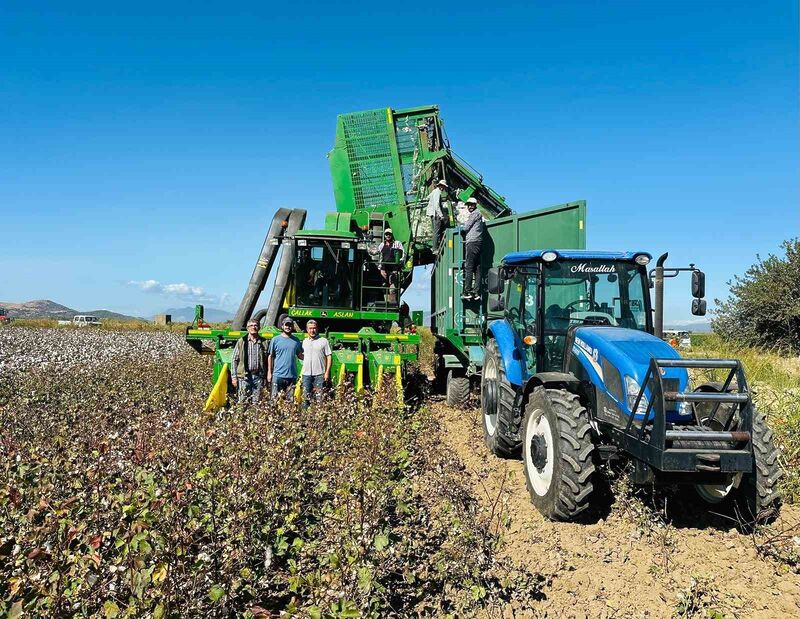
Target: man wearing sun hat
[437, 212]
[473, 230]
[281, 364]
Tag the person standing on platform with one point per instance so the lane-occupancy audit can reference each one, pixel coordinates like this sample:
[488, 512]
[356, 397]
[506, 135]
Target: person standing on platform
[437, 211]
[473, 231]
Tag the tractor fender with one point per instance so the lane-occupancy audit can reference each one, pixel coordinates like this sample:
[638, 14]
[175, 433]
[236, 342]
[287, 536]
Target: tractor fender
[510, 348]
[557, 380]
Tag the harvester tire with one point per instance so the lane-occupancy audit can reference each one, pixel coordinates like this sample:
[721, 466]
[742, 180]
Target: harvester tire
[497, 405]
[557, 452]
[457, 390]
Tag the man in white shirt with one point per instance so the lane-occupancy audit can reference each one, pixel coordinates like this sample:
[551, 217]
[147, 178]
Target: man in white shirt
[317, 359]
[437, 212]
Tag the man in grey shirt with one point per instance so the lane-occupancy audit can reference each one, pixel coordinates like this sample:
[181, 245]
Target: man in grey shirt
[473, 230]
[317, 360]
[249, 364]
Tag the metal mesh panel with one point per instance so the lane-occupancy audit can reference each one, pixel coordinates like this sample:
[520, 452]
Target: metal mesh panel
[369, 152]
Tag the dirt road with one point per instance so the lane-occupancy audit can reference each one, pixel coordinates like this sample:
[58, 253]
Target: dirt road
[627, 562]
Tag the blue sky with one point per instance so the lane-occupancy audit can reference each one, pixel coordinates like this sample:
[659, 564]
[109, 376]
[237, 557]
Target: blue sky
[138, 145]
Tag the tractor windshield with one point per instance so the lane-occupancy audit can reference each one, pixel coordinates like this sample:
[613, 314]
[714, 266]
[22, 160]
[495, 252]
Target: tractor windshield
[591, 292]
[324, 274]
[594, 292]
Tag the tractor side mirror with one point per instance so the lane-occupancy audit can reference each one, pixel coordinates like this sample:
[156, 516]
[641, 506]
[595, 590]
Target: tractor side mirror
[699, 307]
[496, 304]
[698, 285]
[495, 281]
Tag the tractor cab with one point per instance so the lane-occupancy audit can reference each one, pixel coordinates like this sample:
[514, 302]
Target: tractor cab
[548, 293]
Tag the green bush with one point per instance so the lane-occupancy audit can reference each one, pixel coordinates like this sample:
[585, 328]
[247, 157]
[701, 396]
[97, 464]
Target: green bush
[763, 308]
[120, 498]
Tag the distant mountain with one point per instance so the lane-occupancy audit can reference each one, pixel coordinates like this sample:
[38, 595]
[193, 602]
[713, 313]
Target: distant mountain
[693, 325]
[44, 308]
[186, 314]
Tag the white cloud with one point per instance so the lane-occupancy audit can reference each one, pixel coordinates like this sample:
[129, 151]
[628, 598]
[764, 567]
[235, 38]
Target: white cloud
[180, 290]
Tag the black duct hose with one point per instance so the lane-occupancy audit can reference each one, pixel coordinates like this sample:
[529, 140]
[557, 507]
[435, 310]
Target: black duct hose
[285, 267]
[260, 271]
[259, 315]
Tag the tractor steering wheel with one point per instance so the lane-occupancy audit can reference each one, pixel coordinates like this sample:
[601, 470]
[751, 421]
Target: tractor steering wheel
[593, 305]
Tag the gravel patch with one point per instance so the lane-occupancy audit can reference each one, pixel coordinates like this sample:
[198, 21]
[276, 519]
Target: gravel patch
[24, 348]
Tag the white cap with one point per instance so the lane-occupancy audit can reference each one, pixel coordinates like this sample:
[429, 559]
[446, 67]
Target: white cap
[388, 230]
[471, 201]
[442, 183]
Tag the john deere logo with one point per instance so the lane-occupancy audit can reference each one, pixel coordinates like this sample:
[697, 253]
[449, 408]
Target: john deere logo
[324, 314]
[593, 268]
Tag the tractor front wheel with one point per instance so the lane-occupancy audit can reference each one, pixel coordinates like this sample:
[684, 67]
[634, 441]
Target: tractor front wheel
[756, 495]
[557, 451]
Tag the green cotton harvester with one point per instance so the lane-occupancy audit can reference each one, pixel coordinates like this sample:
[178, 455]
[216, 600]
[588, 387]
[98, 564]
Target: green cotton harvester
[384, 164]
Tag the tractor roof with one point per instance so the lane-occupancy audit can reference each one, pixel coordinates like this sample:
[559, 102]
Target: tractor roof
[535, 255]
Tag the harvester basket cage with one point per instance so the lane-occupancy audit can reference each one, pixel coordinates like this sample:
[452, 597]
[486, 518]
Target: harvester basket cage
[368, 143]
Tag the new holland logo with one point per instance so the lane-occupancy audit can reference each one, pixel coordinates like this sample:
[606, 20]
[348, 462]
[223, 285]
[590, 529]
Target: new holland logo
[593, 268]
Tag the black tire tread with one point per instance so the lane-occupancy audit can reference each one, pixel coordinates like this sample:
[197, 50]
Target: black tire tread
[501, 444]
[761, 487]
[575, 440]
[457, 391]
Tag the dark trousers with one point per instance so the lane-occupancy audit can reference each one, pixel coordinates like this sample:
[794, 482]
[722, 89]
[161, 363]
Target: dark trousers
[439, 225]
[250, 387]
[472, 261]
[313, 387]
[283, 387]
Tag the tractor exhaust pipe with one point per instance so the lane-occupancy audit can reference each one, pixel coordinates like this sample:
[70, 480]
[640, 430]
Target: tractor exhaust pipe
[658, 320]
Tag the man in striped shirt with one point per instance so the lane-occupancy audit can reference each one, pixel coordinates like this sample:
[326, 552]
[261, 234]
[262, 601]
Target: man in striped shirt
[249, 364]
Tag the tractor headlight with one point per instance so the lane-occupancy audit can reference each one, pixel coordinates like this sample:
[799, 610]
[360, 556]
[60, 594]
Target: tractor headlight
[549, 256]
[632, 389]
[685, 408]
[642, 259]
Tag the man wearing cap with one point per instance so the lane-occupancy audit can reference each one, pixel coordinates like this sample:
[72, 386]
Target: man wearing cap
[473, 230]
[249, 364]
[436, 211]
[281, 365]
[391, 254]
[316, 362]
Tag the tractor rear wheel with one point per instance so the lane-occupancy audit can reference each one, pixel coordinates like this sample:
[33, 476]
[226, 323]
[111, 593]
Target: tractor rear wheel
[497, 405]
[457, 390]
[557, 451]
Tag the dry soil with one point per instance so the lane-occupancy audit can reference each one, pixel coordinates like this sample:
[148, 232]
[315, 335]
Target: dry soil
[625, 562]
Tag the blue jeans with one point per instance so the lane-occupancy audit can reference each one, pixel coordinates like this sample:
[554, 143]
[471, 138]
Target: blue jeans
[249, 388]
[283, 387]
[312, 384]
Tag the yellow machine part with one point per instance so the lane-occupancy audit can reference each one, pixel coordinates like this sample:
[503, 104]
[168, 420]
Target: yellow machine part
[219, 394]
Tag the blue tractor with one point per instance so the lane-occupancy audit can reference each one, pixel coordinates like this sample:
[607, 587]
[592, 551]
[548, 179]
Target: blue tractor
[574, 376]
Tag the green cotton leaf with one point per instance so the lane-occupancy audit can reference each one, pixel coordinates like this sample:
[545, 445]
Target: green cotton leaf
[315, 612]
[349, 610]
[215, 593]
[158, 611]
[381, 541]
[16, 610]
[110, 609]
